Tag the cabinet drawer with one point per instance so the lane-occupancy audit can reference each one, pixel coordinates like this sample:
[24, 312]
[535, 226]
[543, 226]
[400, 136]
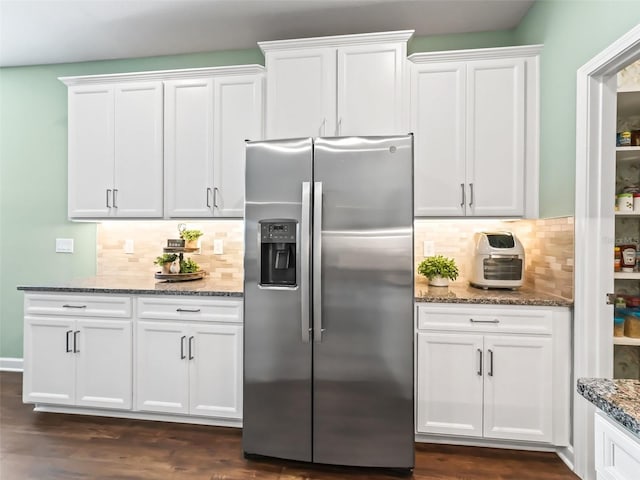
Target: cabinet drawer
[189, 308]
[77, 305]
[486, 320]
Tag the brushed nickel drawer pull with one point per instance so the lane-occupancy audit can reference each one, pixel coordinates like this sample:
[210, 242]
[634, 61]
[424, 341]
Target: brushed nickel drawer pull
[495, 320]
[73, 306]
[195, 310]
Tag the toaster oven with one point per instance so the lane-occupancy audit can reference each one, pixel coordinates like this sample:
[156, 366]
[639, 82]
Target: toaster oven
[496, 260]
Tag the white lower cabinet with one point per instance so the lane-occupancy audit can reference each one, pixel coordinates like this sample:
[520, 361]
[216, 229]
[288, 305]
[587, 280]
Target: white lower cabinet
[617, 452]
[494, 373]
[75, 360]
[189, 367]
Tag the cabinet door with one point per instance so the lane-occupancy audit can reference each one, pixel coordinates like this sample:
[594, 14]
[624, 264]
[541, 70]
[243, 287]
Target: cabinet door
[49, 362]
[301, 93]
[438, 123]
[162, 369]
[138, 150]
[188, 136]
[238, 117]
[518, 388]
[495, 137]
[215, 375]
[104, 367]
[91, 158]
[449, 394]
[371, 90]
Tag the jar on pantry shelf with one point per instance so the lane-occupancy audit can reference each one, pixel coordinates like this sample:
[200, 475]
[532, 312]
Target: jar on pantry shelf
[624, 201]
[636, 202]
[618, 326]
[632, 325]
[627, 257]
[616, 258]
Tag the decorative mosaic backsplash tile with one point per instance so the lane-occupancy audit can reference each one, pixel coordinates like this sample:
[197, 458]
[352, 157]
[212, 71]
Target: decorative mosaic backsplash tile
[150, 237]
[548, 245]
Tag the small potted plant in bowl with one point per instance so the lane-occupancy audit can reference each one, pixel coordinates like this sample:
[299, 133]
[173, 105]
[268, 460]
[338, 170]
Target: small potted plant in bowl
[189, 266]
[165, 260]
[190, 238]
[439, 270]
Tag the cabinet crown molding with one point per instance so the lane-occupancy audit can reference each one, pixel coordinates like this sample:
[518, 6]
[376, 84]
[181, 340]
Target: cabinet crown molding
[476, 54]
[337, 40]
[159, 75]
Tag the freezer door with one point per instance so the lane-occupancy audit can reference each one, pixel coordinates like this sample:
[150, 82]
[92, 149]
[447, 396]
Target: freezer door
[363, 340]
[277, 352]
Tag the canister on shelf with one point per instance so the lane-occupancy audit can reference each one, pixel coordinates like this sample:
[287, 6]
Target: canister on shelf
[627, 257]
[632, 325]
[636, 202]
[616, 259]
[623, 139]
[625, 202]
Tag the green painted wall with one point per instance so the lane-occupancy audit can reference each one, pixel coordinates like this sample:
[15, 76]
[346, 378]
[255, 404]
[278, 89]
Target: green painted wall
[573, 32]
[33, 177]
[498, 38]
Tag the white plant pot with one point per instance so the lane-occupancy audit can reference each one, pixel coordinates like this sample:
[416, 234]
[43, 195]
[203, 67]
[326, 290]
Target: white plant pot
[439, 282]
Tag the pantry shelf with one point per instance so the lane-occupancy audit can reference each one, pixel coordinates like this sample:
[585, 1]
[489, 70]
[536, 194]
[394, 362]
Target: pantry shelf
[626, 275]
[627, 153]
[626, 341]
[627, 214]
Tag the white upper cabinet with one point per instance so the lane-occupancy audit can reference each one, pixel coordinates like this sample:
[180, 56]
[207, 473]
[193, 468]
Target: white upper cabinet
[166, 144]
[342, 85]
[475, 117]
[189, 147]
[115, 150]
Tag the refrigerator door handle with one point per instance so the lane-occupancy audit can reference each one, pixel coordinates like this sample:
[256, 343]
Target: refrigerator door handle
[305, 232]
[317, 262]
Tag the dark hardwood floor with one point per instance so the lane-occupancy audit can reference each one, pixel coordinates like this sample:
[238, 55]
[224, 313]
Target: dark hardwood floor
[46, 446]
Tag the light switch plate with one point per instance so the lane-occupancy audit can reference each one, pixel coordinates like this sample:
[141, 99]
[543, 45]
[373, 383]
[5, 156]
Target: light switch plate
[128, 246]
[218, 246]
[64, 245]
[428, 249]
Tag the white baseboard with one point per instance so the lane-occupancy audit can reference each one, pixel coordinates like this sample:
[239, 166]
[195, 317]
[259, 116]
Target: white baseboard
[567, 456]
[11, 364]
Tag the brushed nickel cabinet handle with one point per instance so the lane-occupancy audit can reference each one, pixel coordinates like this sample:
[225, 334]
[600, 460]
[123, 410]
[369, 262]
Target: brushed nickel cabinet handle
[215, 197]
[108, 195]
[471, 192]
[208, 197]
[75, 342]
[464, 195]
[182, 356]
[495, 320]
[490, 372]
[66, 346]
[191, 348]
[115, 198]
[479, 372]
[66, 305]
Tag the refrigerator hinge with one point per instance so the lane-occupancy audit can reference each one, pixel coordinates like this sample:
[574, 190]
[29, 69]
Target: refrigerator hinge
[611, 298]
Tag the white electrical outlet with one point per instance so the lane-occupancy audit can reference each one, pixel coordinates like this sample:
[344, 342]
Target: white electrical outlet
[64, 245]
[428, 249]
[128, 246]
[218, 246]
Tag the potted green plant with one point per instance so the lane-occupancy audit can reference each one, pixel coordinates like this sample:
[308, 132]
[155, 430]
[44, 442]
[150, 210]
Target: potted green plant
[439, 270]
[165, 260]
[190, 238]
[189, 266]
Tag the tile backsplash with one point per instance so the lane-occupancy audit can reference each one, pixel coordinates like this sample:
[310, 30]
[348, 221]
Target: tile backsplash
[548, 247]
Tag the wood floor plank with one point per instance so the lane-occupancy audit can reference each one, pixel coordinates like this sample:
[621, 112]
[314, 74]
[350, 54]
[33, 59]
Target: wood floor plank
[48, 446]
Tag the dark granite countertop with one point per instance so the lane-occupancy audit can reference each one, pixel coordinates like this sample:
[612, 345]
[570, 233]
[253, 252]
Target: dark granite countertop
[618, 398]
[207, 286]
[464, 293]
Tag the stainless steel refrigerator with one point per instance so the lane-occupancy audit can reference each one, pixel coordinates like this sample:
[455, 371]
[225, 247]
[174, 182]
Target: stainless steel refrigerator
[328, 301]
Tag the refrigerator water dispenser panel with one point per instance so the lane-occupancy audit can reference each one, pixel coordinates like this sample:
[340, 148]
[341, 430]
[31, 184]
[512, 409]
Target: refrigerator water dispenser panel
[278, 253]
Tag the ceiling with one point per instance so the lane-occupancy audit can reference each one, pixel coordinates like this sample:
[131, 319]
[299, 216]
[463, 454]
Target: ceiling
[58, 31]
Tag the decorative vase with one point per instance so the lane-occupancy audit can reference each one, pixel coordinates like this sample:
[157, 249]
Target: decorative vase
[191, 243]
[166, 268]
[439, 282]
